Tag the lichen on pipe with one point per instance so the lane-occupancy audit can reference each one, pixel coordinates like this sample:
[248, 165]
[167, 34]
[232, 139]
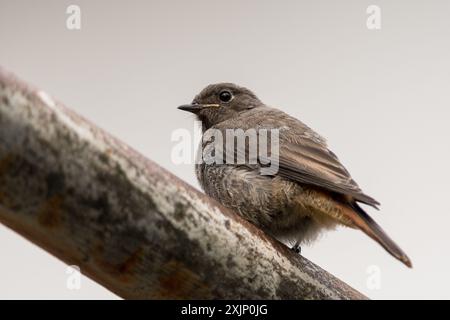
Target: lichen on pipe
[131, 226]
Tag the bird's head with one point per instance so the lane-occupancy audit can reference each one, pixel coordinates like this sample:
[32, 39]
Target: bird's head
[219, 102]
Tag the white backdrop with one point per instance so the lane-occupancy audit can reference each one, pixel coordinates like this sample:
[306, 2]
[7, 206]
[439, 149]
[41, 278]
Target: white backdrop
[381, 97]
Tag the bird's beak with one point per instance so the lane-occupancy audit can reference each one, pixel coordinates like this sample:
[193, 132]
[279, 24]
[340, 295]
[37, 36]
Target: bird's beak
[195, 107]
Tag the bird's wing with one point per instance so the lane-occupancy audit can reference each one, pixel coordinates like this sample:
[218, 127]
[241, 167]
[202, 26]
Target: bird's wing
[306, 161]
[309, 161]
[303, 154]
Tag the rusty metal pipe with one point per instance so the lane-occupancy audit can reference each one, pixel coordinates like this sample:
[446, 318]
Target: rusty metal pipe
[130, 225]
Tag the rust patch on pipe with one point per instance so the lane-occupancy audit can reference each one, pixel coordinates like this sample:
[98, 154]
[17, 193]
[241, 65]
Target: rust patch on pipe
[124, 271]
[50, 214]
[3, 198]
[5, 163]
[179, 282]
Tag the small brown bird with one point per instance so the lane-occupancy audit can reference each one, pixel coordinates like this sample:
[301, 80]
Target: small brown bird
[311, 190]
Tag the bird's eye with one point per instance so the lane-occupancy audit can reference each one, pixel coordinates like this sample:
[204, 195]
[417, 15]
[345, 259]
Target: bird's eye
[225, 96]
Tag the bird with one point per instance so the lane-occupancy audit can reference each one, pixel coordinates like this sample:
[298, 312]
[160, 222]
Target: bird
[309, 193]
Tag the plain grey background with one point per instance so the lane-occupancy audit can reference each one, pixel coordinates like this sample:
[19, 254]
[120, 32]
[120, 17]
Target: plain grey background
[381, 97]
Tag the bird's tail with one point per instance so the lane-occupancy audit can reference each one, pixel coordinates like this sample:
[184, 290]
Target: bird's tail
[364, 222]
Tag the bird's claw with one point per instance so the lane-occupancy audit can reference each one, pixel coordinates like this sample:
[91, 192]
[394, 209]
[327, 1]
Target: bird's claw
[296, 248]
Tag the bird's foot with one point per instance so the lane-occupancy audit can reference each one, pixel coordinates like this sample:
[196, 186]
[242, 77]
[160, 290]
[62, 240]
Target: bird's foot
[296, 248]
